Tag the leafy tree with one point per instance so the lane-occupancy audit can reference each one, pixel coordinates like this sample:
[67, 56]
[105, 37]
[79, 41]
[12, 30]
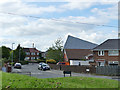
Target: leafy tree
[5, 52]
[55, 52]
[18, 54]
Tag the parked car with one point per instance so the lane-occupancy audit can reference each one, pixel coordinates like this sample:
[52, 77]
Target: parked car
[18, 65]
[63, 63]
[43, 66]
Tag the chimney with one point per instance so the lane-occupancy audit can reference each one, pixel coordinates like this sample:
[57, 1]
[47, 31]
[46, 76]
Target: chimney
[33, 45]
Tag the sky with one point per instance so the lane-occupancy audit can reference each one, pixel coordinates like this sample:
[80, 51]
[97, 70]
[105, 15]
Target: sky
[42, 22]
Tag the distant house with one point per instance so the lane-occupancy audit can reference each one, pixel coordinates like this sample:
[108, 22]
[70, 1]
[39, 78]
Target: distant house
[31, 53]
[107, 53]
[77, 50]
[43, 55]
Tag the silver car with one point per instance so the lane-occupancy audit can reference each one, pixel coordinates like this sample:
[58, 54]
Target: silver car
[43, 66]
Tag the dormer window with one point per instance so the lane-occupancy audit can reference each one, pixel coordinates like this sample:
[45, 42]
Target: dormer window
[101, 53]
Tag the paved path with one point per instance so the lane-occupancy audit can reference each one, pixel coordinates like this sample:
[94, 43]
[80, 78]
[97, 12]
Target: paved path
[33, 68]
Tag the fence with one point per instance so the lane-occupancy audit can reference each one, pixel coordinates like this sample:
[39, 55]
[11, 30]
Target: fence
[77, 69]
[108, 70]
[102, 70]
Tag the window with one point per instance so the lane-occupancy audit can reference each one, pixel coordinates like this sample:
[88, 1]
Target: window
[101, 63]
[33, 58]
[113, 52]
[37, 57]
[27, 58]
[27, 53]
[32, 53]
[100, 53]
[37, 53]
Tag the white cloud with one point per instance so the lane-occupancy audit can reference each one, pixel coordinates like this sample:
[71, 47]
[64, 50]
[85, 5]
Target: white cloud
[43, 32]
[107, 13]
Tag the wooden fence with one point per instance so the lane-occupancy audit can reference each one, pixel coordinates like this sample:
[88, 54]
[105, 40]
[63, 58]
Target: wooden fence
[108, 70]
[77, 69]
[102, 70]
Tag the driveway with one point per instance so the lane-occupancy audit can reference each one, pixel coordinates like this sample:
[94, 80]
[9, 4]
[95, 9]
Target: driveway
[33, 68]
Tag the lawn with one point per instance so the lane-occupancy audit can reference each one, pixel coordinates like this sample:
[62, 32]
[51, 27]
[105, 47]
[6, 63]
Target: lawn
[24, 81]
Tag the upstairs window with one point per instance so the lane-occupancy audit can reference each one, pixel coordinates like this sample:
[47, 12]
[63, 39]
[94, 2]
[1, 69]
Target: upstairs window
[113, 52]
[32, 53]
[37, 53]
[27, 53]
[101, 53]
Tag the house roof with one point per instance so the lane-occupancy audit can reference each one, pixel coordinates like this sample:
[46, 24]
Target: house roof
[26, 49]
[109, 44]
[77, 53]
[76, 43]
[31, 50]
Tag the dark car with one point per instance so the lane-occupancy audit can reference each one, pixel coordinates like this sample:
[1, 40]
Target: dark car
[18, 65]
[43, 66]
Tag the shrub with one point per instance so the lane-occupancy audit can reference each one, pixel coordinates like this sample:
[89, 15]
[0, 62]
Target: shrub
[39, 60]
[51, 61]
[24, 62]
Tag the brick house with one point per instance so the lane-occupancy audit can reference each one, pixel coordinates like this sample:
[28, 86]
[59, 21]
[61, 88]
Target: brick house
[107, 53]
[31, 53]
[77, 50]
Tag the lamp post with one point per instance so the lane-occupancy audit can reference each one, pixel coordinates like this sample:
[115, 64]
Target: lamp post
[12, 53]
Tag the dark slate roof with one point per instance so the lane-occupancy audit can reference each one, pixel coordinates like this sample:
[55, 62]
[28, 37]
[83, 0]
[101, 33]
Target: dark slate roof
[76, 43]
[26, 49]
[109, 44]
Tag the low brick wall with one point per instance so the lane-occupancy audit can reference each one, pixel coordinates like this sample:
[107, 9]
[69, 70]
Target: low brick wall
[77, 69]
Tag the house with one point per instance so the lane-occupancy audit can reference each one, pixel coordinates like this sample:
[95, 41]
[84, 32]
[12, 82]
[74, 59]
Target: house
[77, 50]
[31, 53]
[107, 53]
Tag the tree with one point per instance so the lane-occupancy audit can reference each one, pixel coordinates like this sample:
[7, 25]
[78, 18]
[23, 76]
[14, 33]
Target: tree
[18, 54]
[5, 52]
[55, 52]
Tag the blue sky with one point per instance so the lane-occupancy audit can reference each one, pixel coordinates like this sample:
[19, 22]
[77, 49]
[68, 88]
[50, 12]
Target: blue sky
[57, 19]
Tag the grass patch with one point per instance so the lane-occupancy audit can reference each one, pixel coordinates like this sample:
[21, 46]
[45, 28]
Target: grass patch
[24, 81]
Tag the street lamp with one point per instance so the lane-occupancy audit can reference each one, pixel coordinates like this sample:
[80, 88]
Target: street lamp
[12, 52]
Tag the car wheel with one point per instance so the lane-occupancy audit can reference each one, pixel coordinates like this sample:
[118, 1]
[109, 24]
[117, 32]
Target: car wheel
[43, 69]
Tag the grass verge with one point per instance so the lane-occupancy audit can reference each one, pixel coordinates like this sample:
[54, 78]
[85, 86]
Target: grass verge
[24, 81]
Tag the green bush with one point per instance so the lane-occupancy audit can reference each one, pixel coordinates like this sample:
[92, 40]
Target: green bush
[51, 61]
[39, 60]
[24, 62]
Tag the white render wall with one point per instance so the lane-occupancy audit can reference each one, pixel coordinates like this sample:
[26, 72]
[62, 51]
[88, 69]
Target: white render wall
[76, 62]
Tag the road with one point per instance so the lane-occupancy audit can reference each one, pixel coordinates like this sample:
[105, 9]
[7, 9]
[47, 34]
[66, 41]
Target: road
[33, 68]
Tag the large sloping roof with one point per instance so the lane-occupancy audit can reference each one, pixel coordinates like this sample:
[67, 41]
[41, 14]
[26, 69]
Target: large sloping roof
[73, 54]
[109, 44]
[31, 50]
[76, 43]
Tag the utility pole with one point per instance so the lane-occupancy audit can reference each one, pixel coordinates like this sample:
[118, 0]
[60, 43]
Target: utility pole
[12, 53]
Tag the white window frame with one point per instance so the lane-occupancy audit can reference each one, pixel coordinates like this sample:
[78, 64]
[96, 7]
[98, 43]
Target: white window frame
[27, 53]
[37, 53]
[37, 57]
[33, 58]
[113, 54]
[27, 58]
[33, 53]
[101, 53]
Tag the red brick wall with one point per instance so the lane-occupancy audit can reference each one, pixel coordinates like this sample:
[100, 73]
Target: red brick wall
[32, 55]
[106, 56]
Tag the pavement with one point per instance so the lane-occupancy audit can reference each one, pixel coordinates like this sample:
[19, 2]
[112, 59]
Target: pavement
[32, 70]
